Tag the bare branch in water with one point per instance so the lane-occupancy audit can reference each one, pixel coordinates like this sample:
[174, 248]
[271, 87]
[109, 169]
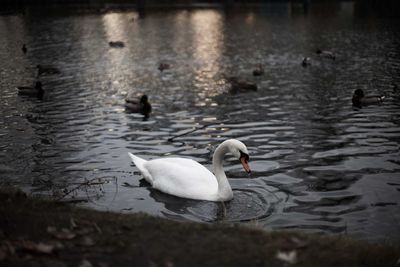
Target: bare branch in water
[84, 186]
[171, 139]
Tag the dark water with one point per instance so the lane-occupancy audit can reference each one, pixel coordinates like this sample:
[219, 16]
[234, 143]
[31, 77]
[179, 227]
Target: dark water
[318, 164]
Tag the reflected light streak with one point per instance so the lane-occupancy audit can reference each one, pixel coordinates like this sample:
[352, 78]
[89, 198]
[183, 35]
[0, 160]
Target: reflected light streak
[113, 26]
[208, 36]
[208, 39]
[116, 29]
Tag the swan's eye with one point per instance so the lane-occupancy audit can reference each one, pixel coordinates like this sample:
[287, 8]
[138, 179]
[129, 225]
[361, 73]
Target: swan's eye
[244, 156]
[244, 159]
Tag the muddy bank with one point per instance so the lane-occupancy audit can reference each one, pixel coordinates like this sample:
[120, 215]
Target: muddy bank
[37, 232]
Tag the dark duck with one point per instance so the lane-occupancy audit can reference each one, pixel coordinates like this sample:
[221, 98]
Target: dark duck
[163, 66]
[240, 86]
[141, 106]
[116, 44]
[47, 70]
[24, 49]
[259, 70]
[360, 99]
[306, 62]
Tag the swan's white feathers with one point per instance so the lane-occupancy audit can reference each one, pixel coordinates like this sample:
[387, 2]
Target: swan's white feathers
[235, 146]
[181, 177]
[140, 164]
[177, 176]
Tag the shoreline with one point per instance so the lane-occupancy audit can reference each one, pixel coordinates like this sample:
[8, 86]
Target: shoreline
[40, 232]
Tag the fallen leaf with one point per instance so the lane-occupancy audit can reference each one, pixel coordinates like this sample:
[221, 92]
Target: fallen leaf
[89, 225]
[72, 223]
[84, 230]
[44, 248]
[63, 234]
[288, 257]
[51, 229]
[34, 247]
[87, 241]
[97, 228]
[66, 234]
[298, 242]
[85, 263]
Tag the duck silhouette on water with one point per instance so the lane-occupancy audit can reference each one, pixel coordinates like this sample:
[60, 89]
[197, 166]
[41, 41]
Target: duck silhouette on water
[46, 70]
[163, 66]
[24, 49]
[360, 99]
[325, 54]
[141, 106]
[259, 70]
[306, 62]
[36, 91]
[241, 86]
[116, 44]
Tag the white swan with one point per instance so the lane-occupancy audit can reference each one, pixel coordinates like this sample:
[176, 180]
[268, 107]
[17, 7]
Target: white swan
[187, 178]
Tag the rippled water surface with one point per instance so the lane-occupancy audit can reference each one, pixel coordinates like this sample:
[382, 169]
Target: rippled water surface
[317, 164]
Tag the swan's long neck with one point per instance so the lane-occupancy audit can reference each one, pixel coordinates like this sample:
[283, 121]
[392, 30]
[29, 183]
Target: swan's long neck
[224, 188]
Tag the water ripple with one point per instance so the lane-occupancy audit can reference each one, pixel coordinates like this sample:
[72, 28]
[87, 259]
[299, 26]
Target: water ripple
[318, 164]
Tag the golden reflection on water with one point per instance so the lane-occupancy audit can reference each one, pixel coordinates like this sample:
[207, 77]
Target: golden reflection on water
[208, 43]
[181, 26]
[117, 27]
[207, 38]
[114, 26]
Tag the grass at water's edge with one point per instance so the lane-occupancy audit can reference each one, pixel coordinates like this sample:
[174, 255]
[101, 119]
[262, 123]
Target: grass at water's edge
[36, 232]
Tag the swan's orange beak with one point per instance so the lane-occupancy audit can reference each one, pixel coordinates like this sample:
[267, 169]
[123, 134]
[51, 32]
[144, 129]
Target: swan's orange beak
[245, 163]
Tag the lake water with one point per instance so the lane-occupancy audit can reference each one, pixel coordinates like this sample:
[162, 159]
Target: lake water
[318, 164]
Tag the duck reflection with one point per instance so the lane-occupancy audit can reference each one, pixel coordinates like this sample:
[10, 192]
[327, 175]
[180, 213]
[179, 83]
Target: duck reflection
[36, 91]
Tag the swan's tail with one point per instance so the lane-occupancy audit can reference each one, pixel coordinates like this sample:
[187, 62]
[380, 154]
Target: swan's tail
[136, 160]
[139, 162]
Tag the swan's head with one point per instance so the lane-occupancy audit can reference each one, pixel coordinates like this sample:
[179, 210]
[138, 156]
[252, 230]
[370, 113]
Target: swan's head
[239, 150]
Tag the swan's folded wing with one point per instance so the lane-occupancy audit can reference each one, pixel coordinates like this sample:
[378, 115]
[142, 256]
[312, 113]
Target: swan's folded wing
[181, 177]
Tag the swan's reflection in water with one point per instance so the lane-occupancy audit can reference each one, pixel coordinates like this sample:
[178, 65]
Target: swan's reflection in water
[248, 204]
